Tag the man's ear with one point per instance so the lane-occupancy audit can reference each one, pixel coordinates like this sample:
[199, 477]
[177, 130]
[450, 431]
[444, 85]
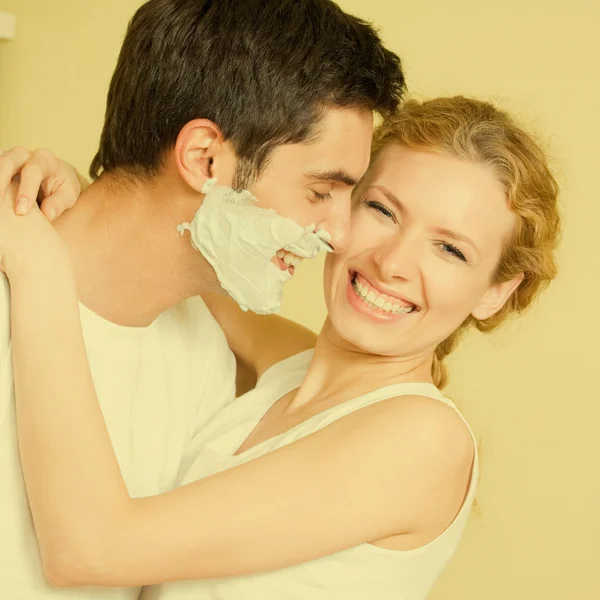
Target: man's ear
[495, 298]
[201, 153]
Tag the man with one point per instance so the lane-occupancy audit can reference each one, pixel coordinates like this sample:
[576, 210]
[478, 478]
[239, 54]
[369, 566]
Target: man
[272, 96]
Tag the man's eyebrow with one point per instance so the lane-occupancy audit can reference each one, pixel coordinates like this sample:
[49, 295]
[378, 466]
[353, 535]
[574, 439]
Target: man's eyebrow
[338, 175]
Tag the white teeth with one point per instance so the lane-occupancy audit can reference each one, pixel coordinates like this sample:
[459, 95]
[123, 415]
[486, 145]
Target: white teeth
[381, 301]
[288, 258]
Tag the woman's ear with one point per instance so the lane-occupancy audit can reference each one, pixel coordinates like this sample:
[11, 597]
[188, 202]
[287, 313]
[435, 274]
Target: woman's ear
[201, 153]
[496, 297]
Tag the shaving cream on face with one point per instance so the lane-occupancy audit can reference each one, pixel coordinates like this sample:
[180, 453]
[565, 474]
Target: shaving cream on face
[240, 240]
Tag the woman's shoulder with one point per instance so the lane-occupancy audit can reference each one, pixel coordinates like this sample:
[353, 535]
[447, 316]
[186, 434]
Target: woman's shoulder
[421, 418]
[428, 447]
[435, 420]
[421, 438]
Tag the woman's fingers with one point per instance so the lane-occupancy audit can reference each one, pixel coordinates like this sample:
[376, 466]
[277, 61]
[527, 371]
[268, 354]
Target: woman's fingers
[32, 176]
[41, 171]
[11, 164]
[57, 203]
[38, 170]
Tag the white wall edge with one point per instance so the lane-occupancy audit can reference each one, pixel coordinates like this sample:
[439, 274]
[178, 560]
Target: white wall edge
[8, 26]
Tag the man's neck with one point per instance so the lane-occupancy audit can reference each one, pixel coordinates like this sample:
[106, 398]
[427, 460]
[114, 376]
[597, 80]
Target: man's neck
[130, 262]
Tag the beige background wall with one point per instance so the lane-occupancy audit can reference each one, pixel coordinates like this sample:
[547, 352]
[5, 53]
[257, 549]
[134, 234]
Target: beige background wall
[529, 392]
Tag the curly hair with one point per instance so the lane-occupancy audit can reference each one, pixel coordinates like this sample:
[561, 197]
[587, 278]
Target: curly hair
[478, 132]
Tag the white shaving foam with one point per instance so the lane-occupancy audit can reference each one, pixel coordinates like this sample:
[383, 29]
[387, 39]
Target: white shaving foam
[239, 240]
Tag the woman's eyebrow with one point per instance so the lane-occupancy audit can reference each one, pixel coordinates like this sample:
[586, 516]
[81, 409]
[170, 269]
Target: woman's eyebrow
[456, 236]
[440, 230]
[388, 195]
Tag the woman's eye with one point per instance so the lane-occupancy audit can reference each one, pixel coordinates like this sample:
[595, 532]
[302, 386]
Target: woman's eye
[451, 249]
[380, 208]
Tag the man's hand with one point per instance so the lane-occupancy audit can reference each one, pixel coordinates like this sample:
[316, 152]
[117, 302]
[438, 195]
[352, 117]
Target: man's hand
[42, 177]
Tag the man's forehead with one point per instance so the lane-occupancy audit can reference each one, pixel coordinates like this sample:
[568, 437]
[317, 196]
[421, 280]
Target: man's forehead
[327, 160]
[343, 143]
[346, 167]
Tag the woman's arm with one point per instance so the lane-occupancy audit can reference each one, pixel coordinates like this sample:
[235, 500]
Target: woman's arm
[388, 469]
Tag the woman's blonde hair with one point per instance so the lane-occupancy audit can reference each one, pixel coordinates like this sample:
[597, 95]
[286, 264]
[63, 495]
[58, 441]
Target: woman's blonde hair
[478, 132]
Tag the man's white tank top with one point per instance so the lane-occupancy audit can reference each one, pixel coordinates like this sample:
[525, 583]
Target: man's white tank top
[362, 572]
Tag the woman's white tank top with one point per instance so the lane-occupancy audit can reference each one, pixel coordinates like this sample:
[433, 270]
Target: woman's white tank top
[360, 573]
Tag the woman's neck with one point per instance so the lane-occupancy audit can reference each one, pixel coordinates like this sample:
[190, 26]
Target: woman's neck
[338, 368]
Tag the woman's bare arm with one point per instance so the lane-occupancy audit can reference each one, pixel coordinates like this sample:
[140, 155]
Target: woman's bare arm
[390, 469]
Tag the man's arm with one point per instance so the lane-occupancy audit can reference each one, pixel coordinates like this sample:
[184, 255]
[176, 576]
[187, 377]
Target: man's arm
[258, 341]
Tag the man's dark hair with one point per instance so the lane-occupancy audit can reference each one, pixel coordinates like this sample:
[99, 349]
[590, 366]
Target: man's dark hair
[261, 70]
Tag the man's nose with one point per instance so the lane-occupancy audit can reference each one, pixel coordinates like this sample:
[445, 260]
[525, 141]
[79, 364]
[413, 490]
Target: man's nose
[337, 224]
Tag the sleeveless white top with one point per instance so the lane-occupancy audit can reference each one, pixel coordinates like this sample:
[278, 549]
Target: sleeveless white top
[157, 387]
[362, 572]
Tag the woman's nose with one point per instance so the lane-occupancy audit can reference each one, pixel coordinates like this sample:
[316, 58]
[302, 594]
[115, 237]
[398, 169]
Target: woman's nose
[399, 257]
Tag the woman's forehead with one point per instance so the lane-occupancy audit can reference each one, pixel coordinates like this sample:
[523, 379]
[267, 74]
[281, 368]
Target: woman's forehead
[452, 192]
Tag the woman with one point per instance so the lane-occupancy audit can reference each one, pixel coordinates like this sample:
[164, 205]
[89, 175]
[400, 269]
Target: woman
[345, 472]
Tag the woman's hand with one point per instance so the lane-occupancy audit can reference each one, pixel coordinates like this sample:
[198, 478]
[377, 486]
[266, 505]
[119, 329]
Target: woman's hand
[27, 243]
[54, 183]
